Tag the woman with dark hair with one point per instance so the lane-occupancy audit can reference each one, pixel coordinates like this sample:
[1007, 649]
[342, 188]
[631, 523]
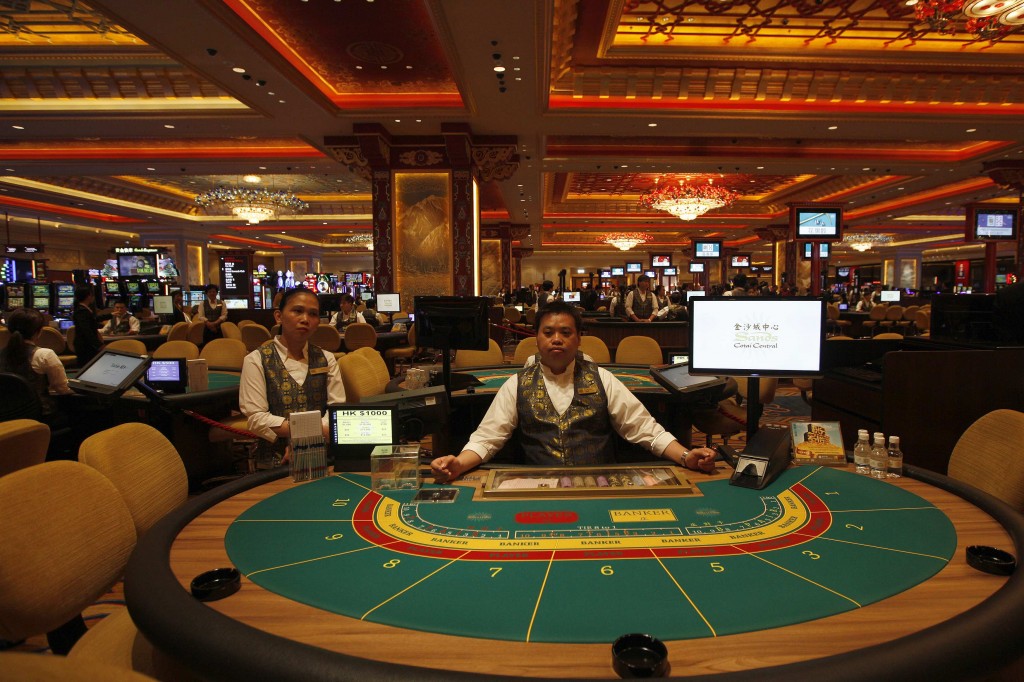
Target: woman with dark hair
[39, 366]
[87, 330]
[288, 374]
[213, 312]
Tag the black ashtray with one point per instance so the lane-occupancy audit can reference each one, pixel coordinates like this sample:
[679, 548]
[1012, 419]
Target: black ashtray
[639, 655]
[990, 560]
[216, 584]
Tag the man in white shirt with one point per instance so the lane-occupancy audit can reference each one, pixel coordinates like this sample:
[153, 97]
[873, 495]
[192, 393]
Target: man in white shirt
[565, 409]
[641, 304]
[122, 322]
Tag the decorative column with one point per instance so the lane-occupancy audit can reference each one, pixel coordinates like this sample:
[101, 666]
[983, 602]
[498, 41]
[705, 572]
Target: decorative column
[518, 254]
[1009, 174]
[775, 234]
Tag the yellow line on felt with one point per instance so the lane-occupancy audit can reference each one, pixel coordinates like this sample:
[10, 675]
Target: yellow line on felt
[797, 575]
[307, 561]
[680, 587]
[540, 595]
[290, 520]
[399, 594]
[807, 476]
[887, 549]
[349, 480]
[847, 511]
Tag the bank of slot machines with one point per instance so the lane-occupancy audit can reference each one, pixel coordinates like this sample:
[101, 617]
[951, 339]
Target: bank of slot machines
[41, 299]
[64, 300]
[15, 296]
[111, 292]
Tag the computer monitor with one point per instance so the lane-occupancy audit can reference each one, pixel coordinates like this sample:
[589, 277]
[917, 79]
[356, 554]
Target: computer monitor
[163, 305]
[707, 248]
[696, 267]
[890, 296]
[605, 274]
[634, 267]
[571, 296]
[152, 287]
[365, 296]
[740, 261]
[992, 223]
[136, 265]
[618, 271]
[671, 272]
[111, 372]
[133, 287]
[418, 412]
[453, 322]
[823, 249]
[168, 375]
[112, 288]
[754, 336]
[389, 303]
[817, 222]
[677, 378]
[694, 294]
[661, 260]
[65, 325]
[236, 303]
[355, 430]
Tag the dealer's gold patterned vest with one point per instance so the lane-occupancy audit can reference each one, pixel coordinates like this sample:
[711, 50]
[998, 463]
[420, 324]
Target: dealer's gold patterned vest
[644, 308]
[579, 437]
[122, 326]
[284, 395]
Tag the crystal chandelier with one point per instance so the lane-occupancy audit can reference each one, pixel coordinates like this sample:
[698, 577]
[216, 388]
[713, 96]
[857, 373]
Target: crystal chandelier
[253, 204]
[686, 201]
[362, 240]
[624, 241]
[864, 241]
[987, 19]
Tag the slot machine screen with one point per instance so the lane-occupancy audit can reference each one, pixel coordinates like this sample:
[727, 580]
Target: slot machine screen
[15, 296]
[133, 287]
[112, 288]
[152, 287]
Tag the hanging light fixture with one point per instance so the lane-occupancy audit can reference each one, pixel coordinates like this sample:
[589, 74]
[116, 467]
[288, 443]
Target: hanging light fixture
[253, 204]
[362, 240]
[864, 241]
[686, 201]
[986, 19]
[624, 241]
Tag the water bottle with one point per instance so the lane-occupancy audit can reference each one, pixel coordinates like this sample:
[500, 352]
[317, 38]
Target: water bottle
[879, 458]
[862, 452]
[895, 457]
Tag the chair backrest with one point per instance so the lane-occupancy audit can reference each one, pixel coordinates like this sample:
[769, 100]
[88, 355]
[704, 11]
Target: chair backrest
[5, 336]
[195, 332]
[246, 323]
[255, 335]
[69, 339]
[128, 345]
[143, 466]
[513, 314]
[23, 443]
[877, 312]
[988, 456]
[90, 530]
[327, 337]
[360, 334]
[892, 336]
[377, 365]
[230, 330]
[530, 315]
[224, 354]
[275, 330]
[596, 349]
[910, 312]
[359, 377]
[766, 388]
[894, 312]
[176, 349]
[923, 320]
[480, 358]
[839, 337]
[52, 339]
[638, 350]
[178, 332]
[18, 398]
[832, 311]
[525, 349]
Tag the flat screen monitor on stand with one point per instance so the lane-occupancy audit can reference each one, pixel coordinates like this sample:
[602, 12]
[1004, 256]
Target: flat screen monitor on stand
[453, 323]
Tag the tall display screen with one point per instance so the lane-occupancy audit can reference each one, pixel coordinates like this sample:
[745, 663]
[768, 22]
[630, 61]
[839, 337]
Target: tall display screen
[234, 275]
[136, 264]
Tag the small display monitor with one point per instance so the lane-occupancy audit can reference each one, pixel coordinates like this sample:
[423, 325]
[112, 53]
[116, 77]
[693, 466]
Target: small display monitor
[152, 287]
[740, 260]
[15, 302]
[695, 294]
[163, 305]
[571, 296]
[678, 358]
[353, 278]
[606, 273]
[634, 267]
[111, 372]
[133, 287]
[991, 223]
[843, 272]
[817, 222]
[823, 249]
[618, 271]
[65, 325]
[677, 379]
[755, 336]
[662, 260]
[767, 268]
[365, 296]
[136, 265]
[65, 302]
[890, 296]
[168, 375]
[40, 291]
[236, 303]
[389, 303]
[707, 248]
[356, 429]
[66, 290]
[651, 273]
[696, 267]
[112, 288]
[671, 272]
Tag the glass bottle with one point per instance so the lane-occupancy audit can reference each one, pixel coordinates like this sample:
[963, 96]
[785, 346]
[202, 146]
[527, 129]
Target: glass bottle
[879, 458]
[862, 452]
[895, 457]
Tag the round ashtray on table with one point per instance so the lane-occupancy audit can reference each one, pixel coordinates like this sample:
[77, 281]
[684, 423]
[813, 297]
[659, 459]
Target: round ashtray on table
[990, 560]
[639, 655]
[216, 584]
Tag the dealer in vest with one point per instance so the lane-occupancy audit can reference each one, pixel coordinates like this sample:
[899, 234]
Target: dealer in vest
[566, 410]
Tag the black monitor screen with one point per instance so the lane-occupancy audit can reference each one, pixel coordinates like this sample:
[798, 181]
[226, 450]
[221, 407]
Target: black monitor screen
[456, 322]
[755, 336]
[740, 261]
[65, 302]
[152, 287]
[133, 287]
[995, 223]
[65, 289]
[112, 287]
[606, 273]
[677, 378]
[40, 291]
[817, 222]
[707, 249]
[169, 375]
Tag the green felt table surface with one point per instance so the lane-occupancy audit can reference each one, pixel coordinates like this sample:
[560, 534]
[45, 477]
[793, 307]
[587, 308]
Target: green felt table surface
[816, 542]
[634, 377]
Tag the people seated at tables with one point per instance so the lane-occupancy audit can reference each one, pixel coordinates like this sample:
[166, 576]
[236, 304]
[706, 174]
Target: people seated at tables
[739, 286]
[676, 309]
[87, 332]
[866, 302]
[641, 303]
[39, 366]
[179, 313]
[288, 374]
[213, 312]
[565, 410]
[348, 314]
[120, 323]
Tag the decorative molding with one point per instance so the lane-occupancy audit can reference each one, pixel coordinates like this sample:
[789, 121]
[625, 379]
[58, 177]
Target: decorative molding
[420, 157]
[352, 158]
[497, 162]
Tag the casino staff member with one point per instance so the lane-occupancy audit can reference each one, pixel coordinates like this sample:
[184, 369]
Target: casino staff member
[179, 313]
[564, 409]
[641, 304]
[40, 366]
[122, 322]
[347, 315]
[213, 312]
[288, 374]
[87, 332]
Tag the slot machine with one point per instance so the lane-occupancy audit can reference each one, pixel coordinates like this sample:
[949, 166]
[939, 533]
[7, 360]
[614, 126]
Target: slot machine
[41, 299]
[65, 300]
[111, 292]
[15, 296]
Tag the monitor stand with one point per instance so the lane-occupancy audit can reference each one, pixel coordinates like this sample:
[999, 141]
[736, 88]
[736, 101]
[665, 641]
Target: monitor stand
[754, 407]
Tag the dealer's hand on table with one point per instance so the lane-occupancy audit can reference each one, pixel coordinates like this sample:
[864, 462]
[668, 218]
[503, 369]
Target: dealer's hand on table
[450, 467]
[701, 459]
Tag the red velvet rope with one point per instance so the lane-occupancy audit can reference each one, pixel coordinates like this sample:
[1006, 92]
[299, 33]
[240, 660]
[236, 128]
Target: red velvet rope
[217, 424]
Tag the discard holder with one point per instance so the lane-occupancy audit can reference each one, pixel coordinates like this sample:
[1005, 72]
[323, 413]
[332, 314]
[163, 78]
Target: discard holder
[765, 456]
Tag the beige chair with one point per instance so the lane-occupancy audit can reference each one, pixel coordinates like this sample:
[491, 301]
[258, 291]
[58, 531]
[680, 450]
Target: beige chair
[403, 354]
[359, 335]
[178, 332]
[52, 339]
[35, 667]
[840, 338]
[23, 443]
[480, 358]
[875, 316]
[513, 314]
[887, 335]
[5, 336]
[638, 350]
[327, 337]
[597, 349]
[230, 330]
[128, 346]
[69, 339]
[275, 330]
[724, 420]
[195, 332]
[804, 385]
[59, 558]
[143, 466]
[246, 323]
[526, 349]
[530, 316]
[176, 349]
[834, 324]
[377, 365]
[254, 335]
[893, 317]
[360, 377]
[907, 324]
[923, 322]
[766, 389]
[224, 354]
[988, 456]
